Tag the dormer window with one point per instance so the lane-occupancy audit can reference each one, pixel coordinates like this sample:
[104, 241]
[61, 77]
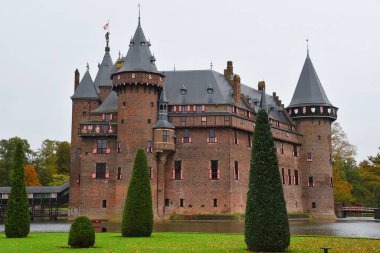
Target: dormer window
[152, 59]
[142, 43]
[183, 90]
[131, 43]
[210, 90]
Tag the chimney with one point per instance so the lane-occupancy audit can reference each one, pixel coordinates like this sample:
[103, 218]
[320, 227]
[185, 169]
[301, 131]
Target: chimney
[229, 71]
[76, 79]
[236, 87]
[261, 85]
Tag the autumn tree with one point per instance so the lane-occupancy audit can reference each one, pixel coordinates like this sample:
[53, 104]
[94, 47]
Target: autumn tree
[63, 158]
[31, 176]
[369, 172]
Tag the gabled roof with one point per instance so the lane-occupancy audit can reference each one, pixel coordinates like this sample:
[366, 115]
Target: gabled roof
[139, 57]
[86, 88]
[103, 77]
[109, 105]
[309, 90]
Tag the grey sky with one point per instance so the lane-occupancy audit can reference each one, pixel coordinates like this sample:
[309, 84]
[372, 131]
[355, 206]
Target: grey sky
[42, 42]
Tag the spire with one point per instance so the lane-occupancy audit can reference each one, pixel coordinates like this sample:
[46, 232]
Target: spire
[307, 47]
[139, 57]
[139, 15]
[103, 77]
[309, 90]
[86, 88]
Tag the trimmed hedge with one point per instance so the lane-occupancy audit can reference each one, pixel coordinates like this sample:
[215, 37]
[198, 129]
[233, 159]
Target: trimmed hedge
[266, 220]
[17, 223]
[82, 233]
[138, 211]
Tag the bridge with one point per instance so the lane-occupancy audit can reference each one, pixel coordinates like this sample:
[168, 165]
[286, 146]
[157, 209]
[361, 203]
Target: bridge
[44, 201]
[342, 211]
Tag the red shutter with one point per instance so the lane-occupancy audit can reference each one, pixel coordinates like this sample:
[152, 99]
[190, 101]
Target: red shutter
[218, 173]
[237, 110]
[237, 141]
[174, 108]
[182, 140]
[103, 116]
[108, 150]
[203, 108]
[181, 173]
[194, 108]
[208, 140]
[190, 140]
[93, 175]
[238, 175]
[189, 108]
[111, 116]
[94, 150]
[107, 175]
[180, 108]
[173, 176]
[216, 139]
[210, 174]
[249, 114]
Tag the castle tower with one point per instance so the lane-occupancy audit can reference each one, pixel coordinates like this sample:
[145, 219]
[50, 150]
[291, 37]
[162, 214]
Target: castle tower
[313, 114]
[138, 84]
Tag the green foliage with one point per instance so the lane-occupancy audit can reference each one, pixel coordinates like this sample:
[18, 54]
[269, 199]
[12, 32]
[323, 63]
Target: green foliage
[82, 233]
[17, 223]
[63, 157]
[266, 220]
[7, 158]
[59, 179]
[138, 211]
[369, 172]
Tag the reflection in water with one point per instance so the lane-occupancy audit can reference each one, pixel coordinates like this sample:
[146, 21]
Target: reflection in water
[352, 227]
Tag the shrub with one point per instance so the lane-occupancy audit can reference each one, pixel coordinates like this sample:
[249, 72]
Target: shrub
[82, 233]
[138, 211]
[17, 223]
[266, 221]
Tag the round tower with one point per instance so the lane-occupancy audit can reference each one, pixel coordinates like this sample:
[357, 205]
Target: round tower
[313, 114]
[137, 83]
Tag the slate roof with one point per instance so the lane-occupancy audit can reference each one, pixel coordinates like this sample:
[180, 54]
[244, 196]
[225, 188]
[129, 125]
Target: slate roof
[40, 189]
[309, 90]
[103, 77]
[109, 105]
[86, 88]
[139, 57]
[163, 115]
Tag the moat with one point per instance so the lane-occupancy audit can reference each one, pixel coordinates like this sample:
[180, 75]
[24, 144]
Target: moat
[365, 227]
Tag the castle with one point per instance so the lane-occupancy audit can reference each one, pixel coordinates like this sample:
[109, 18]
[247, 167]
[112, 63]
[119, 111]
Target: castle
[196, 127]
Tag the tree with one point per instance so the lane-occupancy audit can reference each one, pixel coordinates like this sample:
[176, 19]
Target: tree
[17, 223]
[31, 176]
[369, 171]
[59, 179]
[342, 188]
[7, 158]
[82, 233]
[266, 220]
[63, 157]
[138, 211]
[46, 161]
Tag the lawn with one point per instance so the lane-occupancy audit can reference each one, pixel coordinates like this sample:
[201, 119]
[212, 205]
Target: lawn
[179, 242]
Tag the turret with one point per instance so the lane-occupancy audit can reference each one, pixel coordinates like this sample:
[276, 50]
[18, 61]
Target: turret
[313, 114]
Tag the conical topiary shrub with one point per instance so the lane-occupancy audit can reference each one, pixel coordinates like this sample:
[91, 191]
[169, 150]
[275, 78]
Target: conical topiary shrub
[82, 233]
[17, 223]
[138, 211]
[266, 220]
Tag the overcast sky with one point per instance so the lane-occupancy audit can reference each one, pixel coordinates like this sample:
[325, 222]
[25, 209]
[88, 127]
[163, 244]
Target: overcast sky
[43, 42]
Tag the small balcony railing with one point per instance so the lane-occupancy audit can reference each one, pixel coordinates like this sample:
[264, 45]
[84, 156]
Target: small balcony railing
[97, 129]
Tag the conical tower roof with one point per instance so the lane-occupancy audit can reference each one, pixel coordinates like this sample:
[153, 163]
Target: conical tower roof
[103, 77]
[309, 90]
[109, 105]
[139, 57]
[86, 88]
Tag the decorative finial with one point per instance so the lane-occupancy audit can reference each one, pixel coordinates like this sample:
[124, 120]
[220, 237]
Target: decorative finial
[119, 54]
[211, 65]
[88, 66]
[107, 41]
[307, 46]
[139, 12]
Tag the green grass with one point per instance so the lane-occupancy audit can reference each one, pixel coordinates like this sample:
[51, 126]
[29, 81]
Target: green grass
[178, 242]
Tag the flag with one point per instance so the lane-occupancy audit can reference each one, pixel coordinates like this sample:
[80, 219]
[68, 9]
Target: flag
[105, 27]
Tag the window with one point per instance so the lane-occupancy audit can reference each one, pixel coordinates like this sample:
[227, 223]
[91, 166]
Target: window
[78, 180]
[165, 136]
[104, 204]
[109, 116]
[149, 146]
[100, 171]
[118, 147]
[186, 136]
[296, 177]
[295, 151]
[214, 171]
[77, 153]
[118, 173]
[166, 202]
[124, 104]
[283, 175]
[84, 114]
[236, 170]
[211, 136]
[149, 121]
[309, 157]
[150, 172]
[215, 202]
[249, 140]
[101, 146]
[331, 182]
[122, 121]
[281, 147]
[277, 123]
[183, 120]
[319, 137]
[289, 177]
[310, 182]
[151, 104]
[234, 109]
[236, 140]
[177, 172]
[313, 205]
[181, 202]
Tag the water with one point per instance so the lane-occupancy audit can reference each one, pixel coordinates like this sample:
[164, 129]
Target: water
[349, 227]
